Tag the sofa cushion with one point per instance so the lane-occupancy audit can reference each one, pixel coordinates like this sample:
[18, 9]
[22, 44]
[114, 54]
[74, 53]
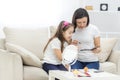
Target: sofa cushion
[28, 57]
[2, 42]
[108, 67]
[3, 51]
[34, 73]
[33, 39]
[107, 45]
[52, 30]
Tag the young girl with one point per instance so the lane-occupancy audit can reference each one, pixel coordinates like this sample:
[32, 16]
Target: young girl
[53, 50]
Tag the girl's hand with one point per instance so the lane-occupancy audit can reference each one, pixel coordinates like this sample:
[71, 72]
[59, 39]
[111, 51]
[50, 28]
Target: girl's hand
[67, 66]
[75, 42]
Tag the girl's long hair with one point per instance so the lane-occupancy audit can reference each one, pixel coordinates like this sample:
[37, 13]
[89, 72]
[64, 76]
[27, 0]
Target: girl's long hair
[59, 34]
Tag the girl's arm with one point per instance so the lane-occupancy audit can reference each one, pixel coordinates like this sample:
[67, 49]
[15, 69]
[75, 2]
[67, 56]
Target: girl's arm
[58, 53]
[97, 48]
[59, 56]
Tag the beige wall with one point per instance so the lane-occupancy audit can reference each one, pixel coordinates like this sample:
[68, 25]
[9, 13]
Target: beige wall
[106, 21]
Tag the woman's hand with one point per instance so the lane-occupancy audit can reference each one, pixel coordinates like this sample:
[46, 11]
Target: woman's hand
[96, 50]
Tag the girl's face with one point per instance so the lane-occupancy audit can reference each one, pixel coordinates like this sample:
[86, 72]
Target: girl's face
[68, 33]
[82, 22]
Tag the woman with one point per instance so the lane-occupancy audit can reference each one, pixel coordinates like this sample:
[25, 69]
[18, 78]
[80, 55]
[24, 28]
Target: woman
[87, 37]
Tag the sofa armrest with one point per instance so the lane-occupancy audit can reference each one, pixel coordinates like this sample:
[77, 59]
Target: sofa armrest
[115, 58]
[11, 66]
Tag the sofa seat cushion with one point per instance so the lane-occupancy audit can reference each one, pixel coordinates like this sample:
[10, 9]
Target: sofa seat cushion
[32, 39]
[108, 66]
[34, 73]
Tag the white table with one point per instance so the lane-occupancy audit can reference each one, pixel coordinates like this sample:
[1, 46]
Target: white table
[65, 75]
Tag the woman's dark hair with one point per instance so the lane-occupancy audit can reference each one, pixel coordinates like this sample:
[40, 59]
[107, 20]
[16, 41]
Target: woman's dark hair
[80, 13]
[63, 26]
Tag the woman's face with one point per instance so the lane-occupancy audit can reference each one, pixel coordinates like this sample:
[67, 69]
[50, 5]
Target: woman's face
[68, 33]
[82, 22]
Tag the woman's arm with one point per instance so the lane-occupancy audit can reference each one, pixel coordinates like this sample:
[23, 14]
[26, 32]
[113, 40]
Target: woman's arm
[97, 48]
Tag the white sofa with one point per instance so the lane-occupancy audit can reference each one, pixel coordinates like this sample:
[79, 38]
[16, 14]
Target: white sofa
[16, 62]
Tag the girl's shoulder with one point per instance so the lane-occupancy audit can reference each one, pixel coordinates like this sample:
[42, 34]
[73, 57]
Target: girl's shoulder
[55, 40]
